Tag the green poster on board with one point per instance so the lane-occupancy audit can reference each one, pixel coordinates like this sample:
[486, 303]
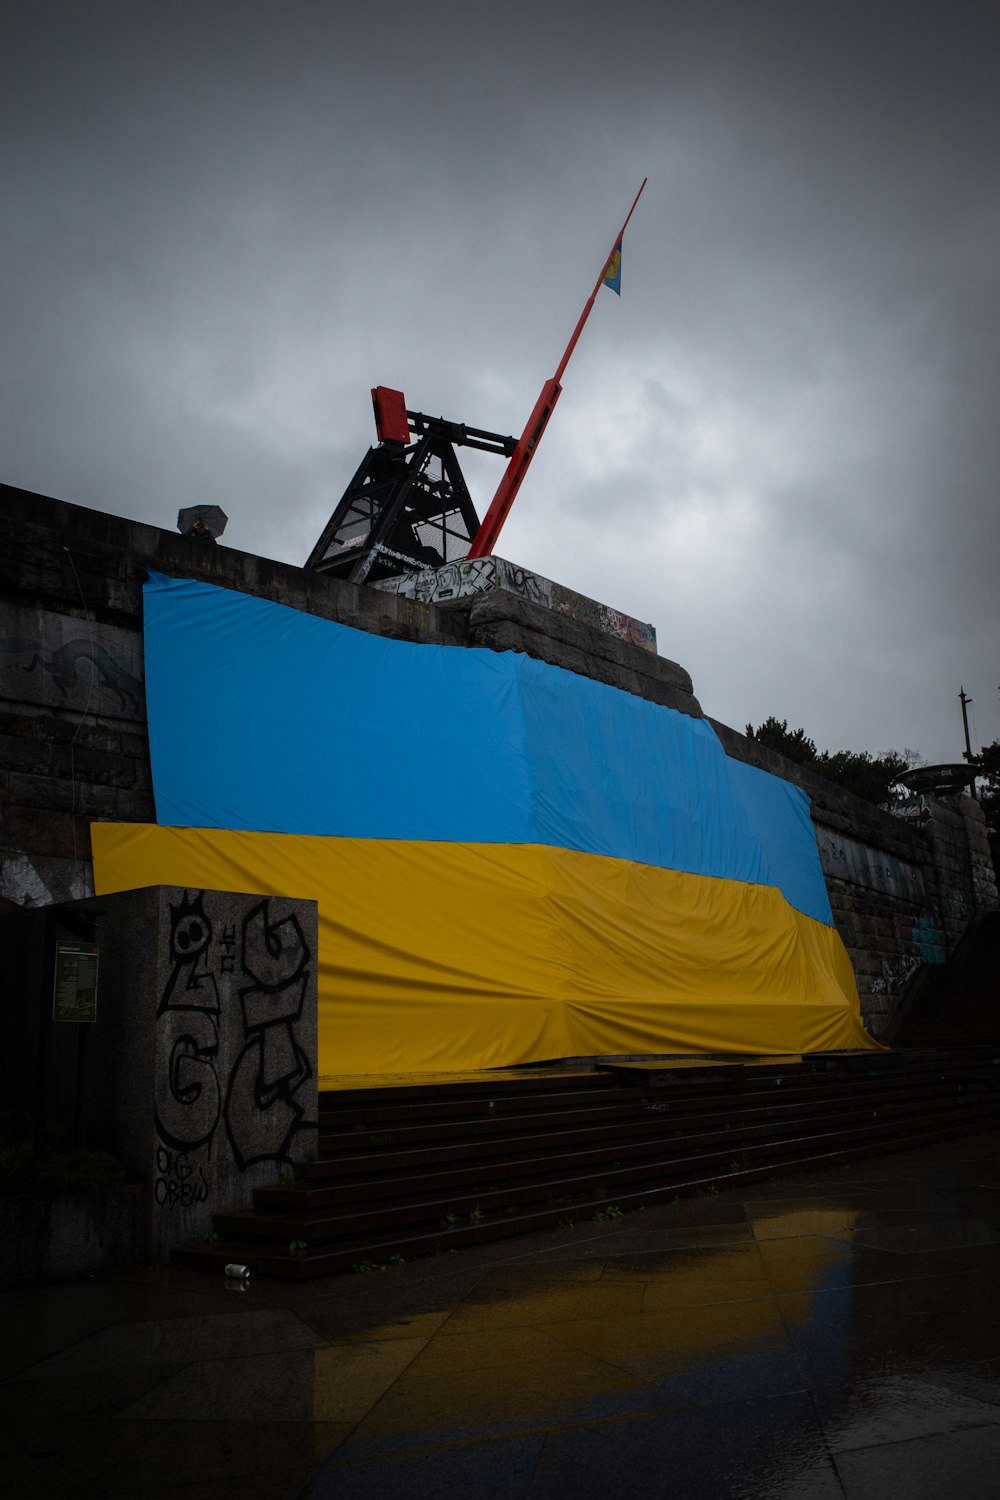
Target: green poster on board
[74, 989]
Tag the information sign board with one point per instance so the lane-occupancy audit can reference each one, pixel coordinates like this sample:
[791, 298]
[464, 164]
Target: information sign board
[74, 989]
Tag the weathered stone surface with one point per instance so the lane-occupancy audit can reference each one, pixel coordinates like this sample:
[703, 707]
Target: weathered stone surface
[501, 605]
[833, 808]
[903, 889]
[200, 1070]
[44, 832]
[133, 806]
[506, 622]
[111, 557]
[22, 753]
[49, 792]
[31, 879]
[875, 868]
[54, 659]
[473, 577]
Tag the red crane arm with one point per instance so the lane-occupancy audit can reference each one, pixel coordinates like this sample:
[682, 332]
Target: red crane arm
[485, 538]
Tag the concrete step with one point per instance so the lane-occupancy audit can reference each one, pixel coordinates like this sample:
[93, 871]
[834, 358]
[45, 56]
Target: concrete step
[547, 1157]
[367, 1253]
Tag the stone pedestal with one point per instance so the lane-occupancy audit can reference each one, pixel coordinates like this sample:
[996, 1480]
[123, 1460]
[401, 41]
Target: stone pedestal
[199, 1071]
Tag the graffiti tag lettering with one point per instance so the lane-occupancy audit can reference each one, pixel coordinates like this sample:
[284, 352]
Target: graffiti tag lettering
[255, 1093]
[261, 1111]
[177, 1183]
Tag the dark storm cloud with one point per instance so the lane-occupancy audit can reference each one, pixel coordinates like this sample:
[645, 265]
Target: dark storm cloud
[226, 221]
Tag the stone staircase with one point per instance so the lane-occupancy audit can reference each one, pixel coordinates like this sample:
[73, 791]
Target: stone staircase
[419, 1169]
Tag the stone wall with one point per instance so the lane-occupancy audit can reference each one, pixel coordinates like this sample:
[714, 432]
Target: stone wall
[475, 576]
[904, 888]
[73, 742]
[74, 748]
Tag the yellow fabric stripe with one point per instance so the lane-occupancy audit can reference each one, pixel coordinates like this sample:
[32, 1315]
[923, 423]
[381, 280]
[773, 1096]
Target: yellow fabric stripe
[441, 957]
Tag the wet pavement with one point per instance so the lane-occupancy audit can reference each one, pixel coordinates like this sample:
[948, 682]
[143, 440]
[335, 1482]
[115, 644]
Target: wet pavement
[831, 1335]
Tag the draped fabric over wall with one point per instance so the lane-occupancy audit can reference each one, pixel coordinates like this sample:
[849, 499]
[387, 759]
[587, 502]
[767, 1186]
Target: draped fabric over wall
[512, 863]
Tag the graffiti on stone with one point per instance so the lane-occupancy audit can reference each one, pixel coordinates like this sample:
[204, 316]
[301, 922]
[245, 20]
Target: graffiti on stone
[914, 809]
[188, 1107]
[929, 940]
[84, 669]
[861, 864]
[261, 1110]
[895, 973]
[529, 585]
[928, 948]
[243, 1069]
[635, 632]
[473, 576]
[461, 580]
[63, 666]
[467, 579]
[178, 1184]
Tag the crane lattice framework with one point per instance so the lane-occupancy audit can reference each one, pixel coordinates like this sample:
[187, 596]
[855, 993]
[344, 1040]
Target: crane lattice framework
[408, 506]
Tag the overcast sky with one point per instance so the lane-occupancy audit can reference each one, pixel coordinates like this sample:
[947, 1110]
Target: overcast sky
[224, 222]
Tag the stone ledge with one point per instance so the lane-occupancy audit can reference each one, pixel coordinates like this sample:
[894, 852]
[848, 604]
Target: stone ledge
[504, 635]
[502, 621]
[457, 584]
[835, 809]
[501, 605]
[111, 556]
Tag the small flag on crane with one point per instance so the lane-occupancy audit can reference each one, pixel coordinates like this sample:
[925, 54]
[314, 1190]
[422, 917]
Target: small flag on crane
[613, 271]
[485, 538]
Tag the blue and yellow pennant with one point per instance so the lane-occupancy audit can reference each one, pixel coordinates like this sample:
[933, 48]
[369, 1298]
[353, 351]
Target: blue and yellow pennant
[613, 274]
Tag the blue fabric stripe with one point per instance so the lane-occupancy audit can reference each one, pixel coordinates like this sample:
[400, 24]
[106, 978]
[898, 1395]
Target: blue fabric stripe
[266, 719]
[778, 813]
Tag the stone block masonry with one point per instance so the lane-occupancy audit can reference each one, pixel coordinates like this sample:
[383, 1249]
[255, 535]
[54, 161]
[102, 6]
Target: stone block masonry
[506, 621]
[904, 888]
[74, 746]
[475, 577]
[200, 1070]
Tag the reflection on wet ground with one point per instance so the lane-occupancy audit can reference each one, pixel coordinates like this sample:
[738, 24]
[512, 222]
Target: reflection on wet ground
[837, 1335]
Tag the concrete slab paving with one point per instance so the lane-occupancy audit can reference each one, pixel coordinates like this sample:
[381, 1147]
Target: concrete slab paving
[832, 1335]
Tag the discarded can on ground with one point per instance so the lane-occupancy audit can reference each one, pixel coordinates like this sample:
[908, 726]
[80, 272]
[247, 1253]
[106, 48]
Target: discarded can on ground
[238, 1272]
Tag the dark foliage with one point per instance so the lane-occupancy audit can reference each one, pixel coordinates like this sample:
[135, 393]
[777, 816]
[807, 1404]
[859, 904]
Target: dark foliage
[989, 794]
[872, 777]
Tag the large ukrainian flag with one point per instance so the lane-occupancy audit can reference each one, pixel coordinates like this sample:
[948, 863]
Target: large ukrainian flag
[512, 863]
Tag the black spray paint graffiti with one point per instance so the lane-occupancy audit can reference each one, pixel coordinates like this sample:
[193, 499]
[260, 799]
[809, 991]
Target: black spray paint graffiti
[187, 1110]
[178, 1182]
[260, 1111]
[63, 666]
[467, 578]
